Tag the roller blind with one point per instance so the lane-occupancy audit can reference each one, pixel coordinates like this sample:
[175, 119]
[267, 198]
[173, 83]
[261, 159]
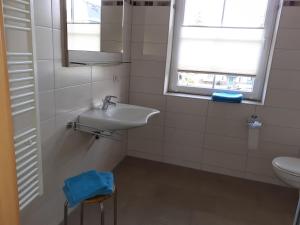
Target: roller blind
[221, 50]
[222, 36]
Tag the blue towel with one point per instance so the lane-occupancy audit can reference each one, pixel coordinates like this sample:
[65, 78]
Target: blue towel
[227, 97]
[88, 185]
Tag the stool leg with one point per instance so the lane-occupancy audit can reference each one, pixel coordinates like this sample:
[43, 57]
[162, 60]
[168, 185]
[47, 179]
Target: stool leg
[66, 213]
[297, 214]
[81, 213]
[116, 207]
[102, 213]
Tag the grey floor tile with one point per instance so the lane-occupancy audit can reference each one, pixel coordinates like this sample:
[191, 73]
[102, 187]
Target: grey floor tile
[152, 193]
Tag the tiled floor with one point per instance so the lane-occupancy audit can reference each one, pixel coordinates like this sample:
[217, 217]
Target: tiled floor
[152, 193]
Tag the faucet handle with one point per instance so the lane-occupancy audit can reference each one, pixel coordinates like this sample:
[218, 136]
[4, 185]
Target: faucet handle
[107, 101]
[109, 97]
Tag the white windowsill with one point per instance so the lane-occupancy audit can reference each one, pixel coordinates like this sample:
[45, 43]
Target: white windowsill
[208, 98]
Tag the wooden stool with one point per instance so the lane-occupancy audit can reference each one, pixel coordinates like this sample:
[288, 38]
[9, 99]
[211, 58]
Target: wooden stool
[91, 201]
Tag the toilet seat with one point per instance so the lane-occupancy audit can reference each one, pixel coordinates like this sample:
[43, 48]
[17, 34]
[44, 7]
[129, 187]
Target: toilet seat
[288, 165]
[288, 170]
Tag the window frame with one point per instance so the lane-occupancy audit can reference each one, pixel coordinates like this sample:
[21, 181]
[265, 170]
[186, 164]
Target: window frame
[176, 21]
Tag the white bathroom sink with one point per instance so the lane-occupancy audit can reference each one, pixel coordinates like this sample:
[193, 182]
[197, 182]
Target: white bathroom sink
[118, 117]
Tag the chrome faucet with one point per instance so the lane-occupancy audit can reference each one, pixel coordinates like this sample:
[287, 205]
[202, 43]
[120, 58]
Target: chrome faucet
[107, 102]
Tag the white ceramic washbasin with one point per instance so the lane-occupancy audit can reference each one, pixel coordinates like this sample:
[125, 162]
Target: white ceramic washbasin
[118, 117]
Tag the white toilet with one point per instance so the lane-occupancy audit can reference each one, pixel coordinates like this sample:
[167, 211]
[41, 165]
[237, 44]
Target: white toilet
[288, 170]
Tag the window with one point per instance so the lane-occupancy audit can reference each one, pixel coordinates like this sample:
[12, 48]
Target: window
[221, 45]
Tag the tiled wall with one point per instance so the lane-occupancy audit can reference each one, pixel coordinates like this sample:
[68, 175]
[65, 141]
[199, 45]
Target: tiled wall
[63, 93]
[212, 136]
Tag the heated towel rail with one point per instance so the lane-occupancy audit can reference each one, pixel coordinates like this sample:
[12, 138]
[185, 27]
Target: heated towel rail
[20, 46]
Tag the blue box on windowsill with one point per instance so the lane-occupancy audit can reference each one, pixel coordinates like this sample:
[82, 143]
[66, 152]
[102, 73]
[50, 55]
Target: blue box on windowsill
[227, 97]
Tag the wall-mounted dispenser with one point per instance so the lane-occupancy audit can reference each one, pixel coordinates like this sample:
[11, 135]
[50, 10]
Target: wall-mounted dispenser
[254, 126]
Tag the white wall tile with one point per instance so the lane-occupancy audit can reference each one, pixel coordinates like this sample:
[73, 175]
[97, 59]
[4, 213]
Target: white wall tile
[112, 14]
[188, 106]
[157, 120]
[288, 39]
[151, 132]
[146, 85]
[285, 79]
[110, 72]
[281, 135]
[226, 127]
[70, 76]
[46, 105]
[279, 116]
[260, 166]
[57, 54]
[290, 17]
[182, 152]
[44, 44]
[264, 179]
[61, 120]
[283, 98]
[111, 32]
[182, 162]
[144, 155]
[286, 59]
[73, 98]
[185, 121]
[127, 17]
[42, 13]
[150, 33]
[124, 69]
[126, 56]
[145, 145]
[148, 51]
[104, 73]
[45, 73]
[148, 69]
[102, 89]
[183, 138]
[121, 86]
[226, 144]
[56, 13]
[148, 100]
[118, 88]
[151, 15]
[111, 46]
[222, 170]
[271, 150]
[224, 160]
[239, 112]
[47, 135]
